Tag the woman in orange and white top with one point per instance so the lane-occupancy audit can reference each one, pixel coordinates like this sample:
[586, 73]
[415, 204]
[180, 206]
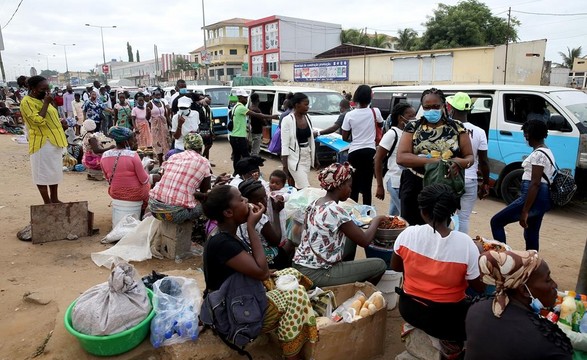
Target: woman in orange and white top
[439, 264]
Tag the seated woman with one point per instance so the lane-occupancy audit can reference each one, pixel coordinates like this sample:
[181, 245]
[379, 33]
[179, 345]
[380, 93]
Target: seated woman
[438, 265]
[92, 151]
[173, 197]
[269, 231]
[330, 237]
[247, 168]
[290, 312]
[512, 320]
[123, 169]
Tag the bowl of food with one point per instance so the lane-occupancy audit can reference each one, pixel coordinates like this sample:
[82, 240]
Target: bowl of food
[389, 229]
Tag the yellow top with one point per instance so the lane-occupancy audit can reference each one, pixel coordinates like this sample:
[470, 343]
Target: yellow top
[41, 128]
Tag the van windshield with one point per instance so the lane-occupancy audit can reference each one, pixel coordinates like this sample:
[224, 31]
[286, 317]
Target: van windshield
[324, 103]
[219, 96]
[575, 102]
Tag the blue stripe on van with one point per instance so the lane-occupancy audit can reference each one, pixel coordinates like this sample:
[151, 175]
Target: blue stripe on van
[510, 149]
[219, 111]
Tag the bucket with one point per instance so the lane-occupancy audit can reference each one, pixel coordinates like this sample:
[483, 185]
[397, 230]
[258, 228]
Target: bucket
[122, 208]
[389, 281]
[384, 253]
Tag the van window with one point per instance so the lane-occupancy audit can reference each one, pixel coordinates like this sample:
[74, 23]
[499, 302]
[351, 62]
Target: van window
[480, 114]
[324, 103]
[266, 102]
[280, 100]
[520, 108]
[382, 101]
[218, 96]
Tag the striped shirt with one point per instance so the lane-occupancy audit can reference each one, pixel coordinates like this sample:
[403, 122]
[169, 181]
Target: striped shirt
[437, 268]
[40, 129]
[183, 174]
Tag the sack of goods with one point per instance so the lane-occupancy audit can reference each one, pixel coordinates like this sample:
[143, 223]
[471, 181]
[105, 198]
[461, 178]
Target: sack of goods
[113, 306]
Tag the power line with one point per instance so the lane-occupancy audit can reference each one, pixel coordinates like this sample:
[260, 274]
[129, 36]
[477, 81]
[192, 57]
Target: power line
[14, 13]
[549, 14]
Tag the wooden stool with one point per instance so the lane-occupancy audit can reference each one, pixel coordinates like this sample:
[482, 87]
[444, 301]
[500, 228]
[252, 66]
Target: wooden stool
[176, 239]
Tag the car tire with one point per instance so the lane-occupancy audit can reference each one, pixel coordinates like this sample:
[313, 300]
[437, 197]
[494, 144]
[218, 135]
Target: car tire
[511, 185]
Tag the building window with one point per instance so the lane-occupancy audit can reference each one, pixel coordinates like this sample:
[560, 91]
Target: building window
[232, 31]
[272, 61]
[257, 68]
[230, 71]
[257, 38]
[271, 39]
[220, 52]
[233, 52]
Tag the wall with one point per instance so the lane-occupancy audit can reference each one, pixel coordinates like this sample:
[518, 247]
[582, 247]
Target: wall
[524, 62]
[473, 66]
[301, 39]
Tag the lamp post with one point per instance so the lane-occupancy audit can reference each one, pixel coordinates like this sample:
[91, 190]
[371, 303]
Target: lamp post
[65, 52]
[47, 58]
[103, 52]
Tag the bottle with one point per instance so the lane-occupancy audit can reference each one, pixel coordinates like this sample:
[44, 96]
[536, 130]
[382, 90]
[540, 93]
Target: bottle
[157, 332]
[583, 324]
[578, 314]
[554, 314]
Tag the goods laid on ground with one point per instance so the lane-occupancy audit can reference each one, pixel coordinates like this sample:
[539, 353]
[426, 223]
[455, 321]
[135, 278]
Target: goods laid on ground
[358, 307]
[570, 314]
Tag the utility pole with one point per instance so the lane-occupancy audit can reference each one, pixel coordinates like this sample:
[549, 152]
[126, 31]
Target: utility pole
[2, 67]
[582, 279]
[507, 41]
[365, 58]
[205, 46]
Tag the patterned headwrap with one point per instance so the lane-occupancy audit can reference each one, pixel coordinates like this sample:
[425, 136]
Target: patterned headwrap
[335, 175]
[507, 270]
[120, 133]
[193, 141]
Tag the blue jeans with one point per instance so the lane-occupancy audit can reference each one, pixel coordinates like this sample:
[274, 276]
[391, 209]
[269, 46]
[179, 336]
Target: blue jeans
[512, 213]
[394, 202]
[467, 203]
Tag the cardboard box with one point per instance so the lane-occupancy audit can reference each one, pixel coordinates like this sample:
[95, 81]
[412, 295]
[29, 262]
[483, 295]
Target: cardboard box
[361, 339]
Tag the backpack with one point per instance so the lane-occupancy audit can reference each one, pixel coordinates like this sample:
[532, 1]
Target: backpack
[235, 311]
[230, 124]
[385, 168]
[562, 186]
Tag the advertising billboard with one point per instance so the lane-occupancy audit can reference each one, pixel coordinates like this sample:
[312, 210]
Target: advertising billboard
[337, 70]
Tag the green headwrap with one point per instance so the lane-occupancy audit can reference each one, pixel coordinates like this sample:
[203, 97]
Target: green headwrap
[193, 141]
[120, 134]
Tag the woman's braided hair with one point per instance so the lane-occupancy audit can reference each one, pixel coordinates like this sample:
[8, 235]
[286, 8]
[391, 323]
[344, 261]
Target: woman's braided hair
[437, 92]
[440, 202]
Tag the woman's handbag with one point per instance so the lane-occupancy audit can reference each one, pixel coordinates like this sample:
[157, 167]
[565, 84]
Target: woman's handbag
[275, 144]
[439, 173]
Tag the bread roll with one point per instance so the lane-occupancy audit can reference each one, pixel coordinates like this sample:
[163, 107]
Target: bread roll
[364, 312]
[357, 306]
[372, 309]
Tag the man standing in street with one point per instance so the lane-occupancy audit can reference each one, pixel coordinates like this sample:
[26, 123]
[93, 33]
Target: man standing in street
[93, 111]
[258, 121]
[459, 105]
[344, 107]
[184, 122]
[182, 90]
[106, 115]
[68, 99]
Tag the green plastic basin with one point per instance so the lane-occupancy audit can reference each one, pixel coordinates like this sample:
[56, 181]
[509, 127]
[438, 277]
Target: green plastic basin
[114, 344]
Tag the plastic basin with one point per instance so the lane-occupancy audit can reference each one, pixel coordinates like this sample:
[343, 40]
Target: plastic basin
[374, 251]
[114, 344]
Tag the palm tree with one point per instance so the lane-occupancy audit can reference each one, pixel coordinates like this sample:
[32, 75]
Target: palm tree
[570, 56]
[406, 39]
[354, 36]
[380, 41]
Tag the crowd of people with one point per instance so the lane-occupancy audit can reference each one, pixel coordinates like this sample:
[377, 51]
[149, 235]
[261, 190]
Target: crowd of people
[247, 233]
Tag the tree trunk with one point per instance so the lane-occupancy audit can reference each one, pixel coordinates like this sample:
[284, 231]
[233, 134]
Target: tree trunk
[582, 278]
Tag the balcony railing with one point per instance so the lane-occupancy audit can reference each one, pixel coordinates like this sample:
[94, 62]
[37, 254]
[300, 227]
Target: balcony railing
[227, 41]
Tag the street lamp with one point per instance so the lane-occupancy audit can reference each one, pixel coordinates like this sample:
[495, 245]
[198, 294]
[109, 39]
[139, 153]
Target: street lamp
[65, 52]
[47, 57]
[103, 52]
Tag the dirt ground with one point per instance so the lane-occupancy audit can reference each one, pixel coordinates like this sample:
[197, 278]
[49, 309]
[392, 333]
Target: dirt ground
[60, 271]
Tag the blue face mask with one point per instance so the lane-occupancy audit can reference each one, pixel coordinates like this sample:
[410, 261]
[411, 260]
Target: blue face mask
[183, 91]
[535, 304]
[433, 116]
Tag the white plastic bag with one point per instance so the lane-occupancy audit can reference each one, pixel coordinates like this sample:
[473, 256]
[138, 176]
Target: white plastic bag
[134, 246]
[124, 226]
[113, 306]
[176, 315]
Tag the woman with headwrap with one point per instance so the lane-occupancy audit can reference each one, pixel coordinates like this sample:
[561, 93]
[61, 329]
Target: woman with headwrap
[330, 237]
[93, 151]
[439, 264]
[510, 326]
[123, 169]
[278, 257]
[172, 199]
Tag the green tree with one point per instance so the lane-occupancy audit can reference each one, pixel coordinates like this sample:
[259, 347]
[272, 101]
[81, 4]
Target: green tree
[354, 36]
[380, 41]
[469, 23]
[129, 50]
[570, 56]
[138, 56]
[47, 73]
[182, 64]
[407, 39]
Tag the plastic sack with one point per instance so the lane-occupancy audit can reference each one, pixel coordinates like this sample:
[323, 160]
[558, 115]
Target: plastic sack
[69, 161]
[134, 246]
[323, 302]
[295, 207]
[361, 214]
[113, 306]
[124, 226]
[346, 312]
[176, 315]
[578, 340]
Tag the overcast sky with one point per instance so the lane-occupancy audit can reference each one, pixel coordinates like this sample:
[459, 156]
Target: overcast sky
[175, 25]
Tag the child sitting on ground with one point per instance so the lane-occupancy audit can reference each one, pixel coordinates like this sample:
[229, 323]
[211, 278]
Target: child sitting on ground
[280, 191]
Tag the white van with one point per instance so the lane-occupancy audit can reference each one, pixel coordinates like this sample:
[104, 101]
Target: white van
[501, 110]
[323, 112]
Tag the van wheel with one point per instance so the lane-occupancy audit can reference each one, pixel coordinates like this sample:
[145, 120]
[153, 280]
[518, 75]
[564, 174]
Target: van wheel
[510, 185]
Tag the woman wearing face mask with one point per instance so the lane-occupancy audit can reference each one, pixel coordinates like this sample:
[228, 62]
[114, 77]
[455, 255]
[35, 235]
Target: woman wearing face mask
[123, 170]
[184, 122]
[46, 137]
[426, 141]
[140, 114]
[122, 112]
[510, 326]
[401, 114]
[156, 113]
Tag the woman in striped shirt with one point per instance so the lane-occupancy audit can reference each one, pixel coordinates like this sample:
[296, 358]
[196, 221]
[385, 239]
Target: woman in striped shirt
[46, 138]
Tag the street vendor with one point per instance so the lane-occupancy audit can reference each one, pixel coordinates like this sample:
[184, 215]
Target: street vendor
[172, 199]
[509, 326]
[330, 237]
